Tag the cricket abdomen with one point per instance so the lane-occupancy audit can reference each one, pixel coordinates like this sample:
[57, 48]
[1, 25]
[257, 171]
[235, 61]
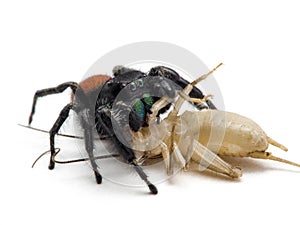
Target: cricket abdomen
[226, 133]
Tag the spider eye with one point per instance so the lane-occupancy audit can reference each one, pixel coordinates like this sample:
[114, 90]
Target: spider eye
[140, 82]
[132, 86]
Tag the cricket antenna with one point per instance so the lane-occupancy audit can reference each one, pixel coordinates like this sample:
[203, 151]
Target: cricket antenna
[38, 158]
[57, 150]
[203, 77]
[184, 95]
[44, 131]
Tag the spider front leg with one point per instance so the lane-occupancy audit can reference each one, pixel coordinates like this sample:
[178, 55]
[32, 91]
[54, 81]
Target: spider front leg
[49, 91]
[173, 76]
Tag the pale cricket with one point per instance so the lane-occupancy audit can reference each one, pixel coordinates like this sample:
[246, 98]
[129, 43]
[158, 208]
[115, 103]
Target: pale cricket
[187, 138]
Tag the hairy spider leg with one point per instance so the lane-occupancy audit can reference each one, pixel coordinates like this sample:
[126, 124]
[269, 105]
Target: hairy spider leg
[127, 153]
[174, 76]
[55, 128]
[88, 137]
[88, 125]
[144, 177]
[49, 91]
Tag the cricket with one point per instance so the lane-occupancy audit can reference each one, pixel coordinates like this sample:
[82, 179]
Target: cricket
[186, 137]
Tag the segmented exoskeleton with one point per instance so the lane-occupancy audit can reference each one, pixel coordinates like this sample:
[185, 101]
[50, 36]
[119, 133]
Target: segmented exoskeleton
[198, 138]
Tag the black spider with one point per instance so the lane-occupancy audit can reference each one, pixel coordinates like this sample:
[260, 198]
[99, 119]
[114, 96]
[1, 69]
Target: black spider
[126, 99]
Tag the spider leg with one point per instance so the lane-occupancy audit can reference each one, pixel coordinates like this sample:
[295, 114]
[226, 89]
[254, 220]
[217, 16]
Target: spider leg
[89, 145]
[173, 76]
[129, 156]
[120, 144]
[49, 91]
[144, 177]
[55, 128]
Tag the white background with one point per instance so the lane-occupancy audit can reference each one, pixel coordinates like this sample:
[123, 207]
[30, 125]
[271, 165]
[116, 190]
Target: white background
[44, 44]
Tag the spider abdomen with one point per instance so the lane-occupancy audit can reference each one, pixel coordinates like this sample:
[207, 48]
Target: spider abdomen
[93, 82]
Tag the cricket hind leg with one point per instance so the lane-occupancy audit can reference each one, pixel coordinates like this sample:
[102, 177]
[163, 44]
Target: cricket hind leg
[206, 159]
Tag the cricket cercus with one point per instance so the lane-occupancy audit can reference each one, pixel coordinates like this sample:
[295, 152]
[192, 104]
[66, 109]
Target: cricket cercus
[187, 138]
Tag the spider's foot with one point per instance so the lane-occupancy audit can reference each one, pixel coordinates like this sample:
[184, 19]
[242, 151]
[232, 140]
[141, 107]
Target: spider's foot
[51, 165]
[153, 189]
[98, 178]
